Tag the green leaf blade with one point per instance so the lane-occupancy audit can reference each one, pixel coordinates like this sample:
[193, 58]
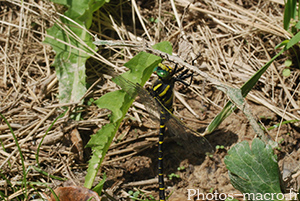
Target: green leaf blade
[290, 11]
[118, 102]
[245, 89]
[73, 45]
[164, 46]
[253, 170]
[99, 143]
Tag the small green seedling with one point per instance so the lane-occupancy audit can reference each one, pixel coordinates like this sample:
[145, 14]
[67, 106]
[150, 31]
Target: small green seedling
[173, 175]
[152, 19]
[220, 147]
[139, 195]
[209, 154]
[281, 141]
[90, 101]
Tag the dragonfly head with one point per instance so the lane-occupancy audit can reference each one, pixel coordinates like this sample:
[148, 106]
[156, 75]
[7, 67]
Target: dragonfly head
[163, 71]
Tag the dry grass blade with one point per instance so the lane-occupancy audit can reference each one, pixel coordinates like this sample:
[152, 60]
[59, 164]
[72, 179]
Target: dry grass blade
[141, 20]
[268, 28]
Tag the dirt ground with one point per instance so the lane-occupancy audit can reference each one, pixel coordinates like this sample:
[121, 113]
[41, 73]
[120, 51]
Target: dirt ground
[234, 39]
[203, 170]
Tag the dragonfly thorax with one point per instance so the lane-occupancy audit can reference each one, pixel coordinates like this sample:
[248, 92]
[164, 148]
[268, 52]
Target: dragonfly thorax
[162, 89]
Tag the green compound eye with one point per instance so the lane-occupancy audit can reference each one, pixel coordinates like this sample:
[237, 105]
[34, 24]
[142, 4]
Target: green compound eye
[162, 73]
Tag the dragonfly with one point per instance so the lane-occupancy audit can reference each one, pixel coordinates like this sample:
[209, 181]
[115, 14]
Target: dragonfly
[158, 101]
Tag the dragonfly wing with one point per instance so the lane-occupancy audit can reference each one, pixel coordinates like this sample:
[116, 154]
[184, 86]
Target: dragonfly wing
[134, 90]
[192, 140]
[154, 106]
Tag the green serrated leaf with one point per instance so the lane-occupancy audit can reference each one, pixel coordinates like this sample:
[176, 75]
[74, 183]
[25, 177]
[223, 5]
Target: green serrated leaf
[70, 63]
[72, 52]
[141, 68]
[118, 102]
[114, 101]
[254, 171]
[99, 143]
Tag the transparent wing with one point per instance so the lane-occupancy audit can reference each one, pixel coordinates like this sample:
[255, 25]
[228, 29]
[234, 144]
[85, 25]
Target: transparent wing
[134, 90]
[154, 106]
[193, 140]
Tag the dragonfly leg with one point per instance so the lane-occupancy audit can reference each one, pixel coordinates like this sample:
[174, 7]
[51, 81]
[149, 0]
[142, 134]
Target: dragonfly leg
[183, 76]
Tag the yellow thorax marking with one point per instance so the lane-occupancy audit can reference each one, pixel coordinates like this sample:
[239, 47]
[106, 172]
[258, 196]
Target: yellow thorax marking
[165, 67]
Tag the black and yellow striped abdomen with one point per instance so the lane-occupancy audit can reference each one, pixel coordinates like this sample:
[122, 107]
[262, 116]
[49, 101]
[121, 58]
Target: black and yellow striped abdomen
[160, 157]
[163, 91]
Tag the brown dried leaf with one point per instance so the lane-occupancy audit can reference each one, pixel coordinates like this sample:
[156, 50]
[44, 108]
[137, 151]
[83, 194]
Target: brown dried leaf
[75, 193]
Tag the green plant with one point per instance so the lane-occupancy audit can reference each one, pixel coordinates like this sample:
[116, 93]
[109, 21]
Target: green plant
[173, 175]
[209, 154]
[291, 16]
[287, 72]
[291, 23]
[283, 123]
[237, 94]
[254, 171]
[98, 188]
[139, 195]
[281, 141]
[141, 68]
[220, 147]
[41, 142]
[24, 181]
[73, 45]
[24, 184]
